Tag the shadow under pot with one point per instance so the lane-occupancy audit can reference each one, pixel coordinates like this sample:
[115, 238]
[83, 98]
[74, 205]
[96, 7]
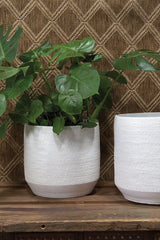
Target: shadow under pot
[137, 156]
[61, 166]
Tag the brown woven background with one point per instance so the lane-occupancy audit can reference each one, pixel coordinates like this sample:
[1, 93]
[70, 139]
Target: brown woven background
[117, 26]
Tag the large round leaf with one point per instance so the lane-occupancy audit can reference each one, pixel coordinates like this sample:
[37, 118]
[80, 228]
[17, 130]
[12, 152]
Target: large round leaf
[2, 103]
[84, 79]
[71, 102]
[64, 83]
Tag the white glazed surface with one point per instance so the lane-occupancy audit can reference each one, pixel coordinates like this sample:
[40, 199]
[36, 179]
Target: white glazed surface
[71, 158]
[137, 152]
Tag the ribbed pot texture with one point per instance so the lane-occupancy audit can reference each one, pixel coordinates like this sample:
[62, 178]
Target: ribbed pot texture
[61, 166]
[137, 156]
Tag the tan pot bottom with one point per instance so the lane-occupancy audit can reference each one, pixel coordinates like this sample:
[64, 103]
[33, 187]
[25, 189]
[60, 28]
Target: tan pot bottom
[65, 191]
[141, 197]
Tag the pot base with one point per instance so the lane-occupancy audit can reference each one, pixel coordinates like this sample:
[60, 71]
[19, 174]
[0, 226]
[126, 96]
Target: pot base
[62, 191]
[141, 197]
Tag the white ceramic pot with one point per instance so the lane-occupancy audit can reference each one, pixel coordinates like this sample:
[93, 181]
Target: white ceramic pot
[137, 156]
[61, 166]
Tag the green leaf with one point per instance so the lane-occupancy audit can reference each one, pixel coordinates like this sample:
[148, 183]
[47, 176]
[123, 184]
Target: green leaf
[77, 66]
[89, 123]
[44, 122]
[105, 84]
[54, 97]
[45, 100]
[66, 55]
[145, 65]
[18, 118]
[58, 124]
[35, 53]
[3, 103]
[48, 106]
[36, 109]
[7, 72]
[124, 64]
[32, 67]
[97, 57]
[23, 104]
[52, 108]
[19, 86]
[135, 60]
[9, 48]
[87, 80]
[84, 79]
[142, 52]
[71, 102]
[114, 75]
[24, 70]
[3, 128]
[73, 49]
[10, 81]
[86, 45]
[64, 82]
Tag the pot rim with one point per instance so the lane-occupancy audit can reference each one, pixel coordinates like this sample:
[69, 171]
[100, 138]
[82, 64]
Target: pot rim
[139, 115]
[72, 126]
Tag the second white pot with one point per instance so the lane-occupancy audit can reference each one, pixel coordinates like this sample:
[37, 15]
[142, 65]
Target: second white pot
[137, 156]
[61, 166]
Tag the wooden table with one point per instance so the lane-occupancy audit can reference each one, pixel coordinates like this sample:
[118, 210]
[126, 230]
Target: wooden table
[102, 215]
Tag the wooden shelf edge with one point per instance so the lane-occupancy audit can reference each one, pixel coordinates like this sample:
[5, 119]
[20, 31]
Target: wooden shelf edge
[80, 227]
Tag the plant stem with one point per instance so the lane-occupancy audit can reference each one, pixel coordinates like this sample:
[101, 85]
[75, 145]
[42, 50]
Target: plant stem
[9, 110]
[48, 85]
[99, 107]
[88, 107]
[8, 64]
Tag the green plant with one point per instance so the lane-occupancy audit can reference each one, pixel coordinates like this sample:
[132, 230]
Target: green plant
[69, 101]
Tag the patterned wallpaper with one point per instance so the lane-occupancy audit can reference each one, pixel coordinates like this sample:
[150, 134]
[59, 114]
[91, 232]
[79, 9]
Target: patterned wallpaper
[117, 26]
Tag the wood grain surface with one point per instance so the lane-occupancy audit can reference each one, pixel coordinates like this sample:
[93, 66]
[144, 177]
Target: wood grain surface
[104, 210]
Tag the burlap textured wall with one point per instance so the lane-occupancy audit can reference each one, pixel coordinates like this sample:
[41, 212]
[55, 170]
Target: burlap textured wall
[117, 26]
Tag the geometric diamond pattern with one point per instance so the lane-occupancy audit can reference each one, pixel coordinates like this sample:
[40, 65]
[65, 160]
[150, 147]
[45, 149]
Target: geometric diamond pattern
[84, 6]
[148, 41]
[20, 5]
[68, 16]
[118, 42]
[149, 8]
[135, 20]
[143, 90]
[117, 27]
[6, 15]
[104, 19]
[37, 17]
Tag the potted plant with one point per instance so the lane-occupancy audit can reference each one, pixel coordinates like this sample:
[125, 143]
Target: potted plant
[61, 133]
[57, 163]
